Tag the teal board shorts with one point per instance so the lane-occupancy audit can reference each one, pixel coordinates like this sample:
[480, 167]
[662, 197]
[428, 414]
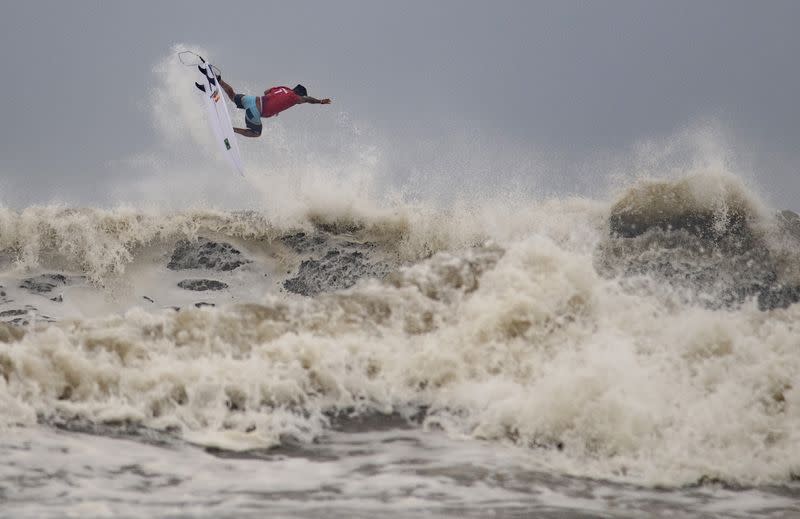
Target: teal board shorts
[252, 117]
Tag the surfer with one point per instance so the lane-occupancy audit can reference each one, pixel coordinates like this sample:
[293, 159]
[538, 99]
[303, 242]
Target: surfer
[274, 101]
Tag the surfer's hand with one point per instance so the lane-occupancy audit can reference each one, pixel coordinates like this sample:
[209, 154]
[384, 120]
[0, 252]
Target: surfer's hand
[325, 102]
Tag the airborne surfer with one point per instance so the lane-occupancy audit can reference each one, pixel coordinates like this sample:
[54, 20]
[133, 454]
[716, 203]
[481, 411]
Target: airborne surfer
[274, 101]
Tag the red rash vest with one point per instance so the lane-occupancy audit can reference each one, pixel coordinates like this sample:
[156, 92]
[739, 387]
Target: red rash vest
[278, 99]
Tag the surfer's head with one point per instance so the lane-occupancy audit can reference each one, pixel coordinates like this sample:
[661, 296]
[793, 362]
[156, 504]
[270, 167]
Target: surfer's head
[300, 90]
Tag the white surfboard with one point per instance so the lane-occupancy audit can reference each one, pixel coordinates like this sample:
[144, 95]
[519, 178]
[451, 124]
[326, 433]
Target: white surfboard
[219, 117]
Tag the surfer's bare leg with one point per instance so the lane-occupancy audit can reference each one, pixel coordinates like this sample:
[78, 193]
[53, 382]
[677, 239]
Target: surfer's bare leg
[227, 88]
[246, 133]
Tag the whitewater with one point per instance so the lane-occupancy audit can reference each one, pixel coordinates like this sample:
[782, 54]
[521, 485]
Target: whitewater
[334, 351]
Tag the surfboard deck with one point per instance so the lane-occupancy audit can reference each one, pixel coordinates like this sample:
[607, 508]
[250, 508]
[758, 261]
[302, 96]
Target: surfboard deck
[219, 117]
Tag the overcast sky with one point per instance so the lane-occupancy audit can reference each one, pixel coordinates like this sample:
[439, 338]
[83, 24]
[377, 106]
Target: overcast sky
[569, 79]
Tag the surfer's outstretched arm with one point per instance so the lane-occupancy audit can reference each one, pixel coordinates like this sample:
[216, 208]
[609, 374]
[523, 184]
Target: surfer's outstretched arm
[315, 101]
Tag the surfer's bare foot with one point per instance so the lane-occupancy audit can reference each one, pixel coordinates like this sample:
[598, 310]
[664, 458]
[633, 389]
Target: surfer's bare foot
[246, 133]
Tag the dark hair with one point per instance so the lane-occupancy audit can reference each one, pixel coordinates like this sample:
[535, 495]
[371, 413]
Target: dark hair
[300, 90]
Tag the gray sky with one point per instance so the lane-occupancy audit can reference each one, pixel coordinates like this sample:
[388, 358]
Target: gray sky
[569, 79]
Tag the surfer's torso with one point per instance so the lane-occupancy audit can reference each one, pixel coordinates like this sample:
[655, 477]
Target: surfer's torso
[276, 100]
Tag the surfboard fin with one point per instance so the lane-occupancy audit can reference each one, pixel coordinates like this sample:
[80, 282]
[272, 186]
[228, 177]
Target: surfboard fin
[201, 87]
[211, 77]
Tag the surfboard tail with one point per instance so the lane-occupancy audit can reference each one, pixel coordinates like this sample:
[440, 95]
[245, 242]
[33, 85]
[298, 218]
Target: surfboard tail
[205, 71]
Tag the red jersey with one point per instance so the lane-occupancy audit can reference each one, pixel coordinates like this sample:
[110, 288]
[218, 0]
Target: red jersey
[278, 99]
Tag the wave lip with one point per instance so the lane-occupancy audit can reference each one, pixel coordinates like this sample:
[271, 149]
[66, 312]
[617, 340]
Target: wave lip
[709, 241]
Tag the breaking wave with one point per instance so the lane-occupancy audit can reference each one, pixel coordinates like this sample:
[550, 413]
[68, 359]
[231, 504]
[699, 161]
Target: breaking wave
[651, 338]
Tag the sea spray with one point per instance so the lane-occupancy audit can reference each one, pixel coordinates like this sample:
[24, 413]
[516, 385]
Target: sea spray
[517, 338]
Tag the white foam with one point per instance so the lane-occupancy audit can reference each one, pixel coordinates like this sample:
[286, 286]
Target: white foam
[391, 474]
[523, 342]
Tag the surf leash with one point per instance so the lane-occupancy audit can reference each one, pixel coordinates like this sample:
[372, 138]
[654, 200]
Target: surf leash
[185, 59]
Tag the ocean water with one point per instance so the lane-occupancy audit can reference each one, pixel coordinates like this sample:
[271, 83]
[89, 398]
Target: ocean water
[339, 350]
[622, 358]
